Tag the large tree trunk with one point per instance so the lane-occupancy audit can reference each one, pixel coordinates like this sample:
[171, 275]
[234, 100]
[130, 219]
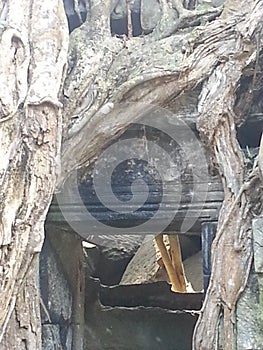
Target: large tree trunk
[108, 84]
[33, 57]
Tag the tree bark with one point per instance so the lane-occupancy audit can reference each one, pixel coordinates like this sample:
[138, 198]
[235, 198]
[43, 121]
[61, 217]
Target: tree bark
[217, 55]
[108, 83]
[32, 59]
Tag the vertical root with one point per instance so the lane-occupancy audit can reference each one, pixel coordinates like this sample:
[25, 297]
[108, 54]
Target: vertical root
[176, 256]
[172, 274]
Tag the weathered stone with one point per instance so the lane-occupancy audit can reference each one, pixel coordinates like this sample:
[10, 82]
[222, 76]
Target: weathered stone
[258, 244]
[157, 294]
[150, 14]
[193, 271]
[146, 266]
[143, 267]
[62, 289]
[249, 324]
[215, 3]
[50, 337]
[119, 8]
[139, 327]
[250, 305]
[111, 255]
[55, 289]
[117, 247]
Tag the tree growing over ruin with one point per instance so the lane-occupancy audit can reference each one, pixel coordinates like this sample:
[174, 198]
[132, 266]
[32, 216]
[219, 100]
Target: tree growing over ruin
[59, 108]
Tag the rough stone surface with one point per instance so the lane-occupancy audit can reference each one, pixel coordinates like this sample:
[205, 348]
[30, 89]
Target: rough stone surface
[150, 14]
[137, 328]
[249, 325]
[51, 337]
[111, 256]
[119, 8]
[55, 290]
[250, 306]
[57, 299]
[146, 265]
[258, 244]
[194, 272]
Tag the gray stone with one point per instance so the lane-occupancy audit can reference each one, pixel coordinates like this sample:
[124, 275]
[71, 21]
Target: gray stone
[50, 337]
[119, 8]
[250, 305]
[215, 3]
[258, 244]
[144, 266]
[150, 14]
[194, 271]
[249, 324]
[55, 290]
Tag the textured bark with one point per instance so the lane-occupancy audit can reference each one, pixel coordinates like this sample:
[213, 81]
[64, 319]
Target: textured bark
[232, 248]
[109, 75]
[216, 55]
[33, 52]
[105, 75]
[24, 326]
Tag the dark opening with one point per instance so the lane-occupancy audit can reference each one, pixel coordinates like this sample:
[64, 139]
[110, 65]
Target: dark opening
[119, 26]
[249, 134]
